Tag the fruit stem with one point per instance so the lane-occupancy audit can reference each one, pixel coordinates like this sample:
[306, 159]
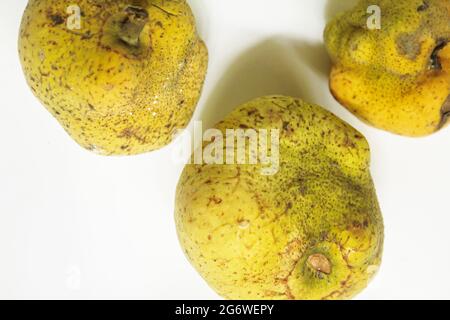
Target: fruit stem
[132, 25]
[319, 263]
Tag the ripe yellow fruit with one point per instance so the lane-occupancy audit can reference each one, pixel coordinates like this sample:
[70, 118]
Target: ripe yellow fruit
[313, 230]
[121, 76]
[396, 78]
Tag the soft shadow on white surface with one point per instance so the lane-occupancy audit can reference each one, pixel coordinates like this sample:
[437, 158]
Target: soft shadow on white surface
[203, 16]
[335, 7]
[275, 66]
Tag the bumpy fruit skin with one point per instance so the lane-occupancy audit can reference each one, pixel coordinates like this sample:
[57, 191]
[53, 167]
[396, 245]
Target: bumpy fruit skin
[396, 78]
[312, 231]
[118, 85]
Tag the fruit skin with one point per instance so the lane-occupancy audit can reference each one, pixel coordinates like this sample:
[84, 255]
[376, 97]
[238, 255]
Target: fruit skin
[396, 78]
[114, 97]
[264, 237]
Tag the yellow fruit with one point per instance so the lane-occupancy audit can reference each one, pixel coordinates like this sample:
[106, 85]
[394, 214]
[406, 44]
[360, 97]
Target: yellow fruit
[122, 82]
[311, 231]
[396, 78]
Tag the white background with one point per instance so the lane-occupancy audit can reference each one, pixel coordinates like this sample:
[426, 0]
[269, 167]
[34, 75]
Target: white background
[77, 225]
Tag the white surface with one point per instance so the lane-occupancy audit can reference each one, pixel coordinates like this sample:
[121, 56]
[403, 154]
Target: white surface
[77, 225]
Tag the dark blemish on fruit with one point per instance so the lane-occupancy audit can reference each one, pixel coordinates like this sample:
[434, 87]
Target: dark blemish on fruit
[56, 19]
[87, 35]
[445, 113]
[409, 45]
[423, 6]
[215, 200]
[288, 207]
[435, 62]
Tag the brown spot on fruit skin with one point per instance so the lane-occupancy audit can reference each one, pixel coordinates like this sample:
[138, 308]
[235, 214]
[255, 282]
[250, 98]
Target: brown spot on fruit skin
[214, 200]
[56, 19]
[409, 45]
[423, 6]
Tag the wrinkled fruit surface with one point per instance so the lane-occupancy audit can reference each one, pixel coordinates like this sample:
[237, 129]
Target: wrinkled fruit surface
[312, 231]
[396, 78]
